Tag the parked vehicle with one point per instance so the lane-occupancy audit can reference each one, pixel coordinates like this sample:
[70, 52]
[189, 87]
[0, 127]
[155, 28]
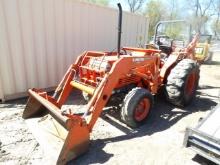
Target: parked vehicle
[131, 75]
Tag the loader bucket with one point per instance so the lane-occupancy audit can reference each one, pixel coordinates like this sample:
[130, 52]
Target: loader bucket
[62, 138]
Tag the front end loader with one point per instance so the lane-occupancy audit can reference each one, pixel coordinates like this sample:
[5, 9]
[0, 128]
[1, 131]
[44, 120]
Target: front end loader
[132, 75]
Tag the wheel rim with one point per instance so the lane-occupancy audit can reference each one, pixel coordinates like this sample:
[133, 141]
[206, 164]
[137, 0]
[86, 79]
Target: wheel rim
[142, 110]
[190, 84]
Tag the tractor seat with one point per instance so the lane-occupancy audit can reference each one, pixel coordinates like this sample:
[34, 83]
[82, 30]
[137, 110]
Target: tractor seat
[166, 49]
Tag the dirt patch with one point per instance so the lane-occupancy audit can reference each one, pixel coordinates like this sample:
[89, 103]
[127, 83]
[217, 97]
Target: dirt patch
[158, 141]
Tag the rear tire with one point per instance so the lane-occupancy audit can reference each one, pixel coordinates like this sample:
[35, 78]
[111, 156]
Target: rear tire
[182, 83]
[136, 107]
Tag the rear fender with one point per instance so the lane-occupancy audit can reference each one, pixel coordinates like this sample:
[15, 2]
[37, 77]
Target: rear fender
[168, 65]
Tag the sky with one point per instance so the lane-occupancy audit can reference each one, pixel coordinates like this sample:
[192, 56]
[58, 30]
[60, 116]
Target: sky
[183, 6]
[125, 7]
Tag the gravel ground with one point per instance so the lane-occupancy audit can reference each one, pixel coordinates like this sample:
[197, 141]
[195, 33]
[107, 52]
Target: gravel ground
[157, 142]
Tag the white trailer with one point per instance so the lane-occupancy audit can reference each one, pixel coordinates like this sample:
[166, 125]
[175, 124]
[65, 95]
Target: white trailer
[204, 139]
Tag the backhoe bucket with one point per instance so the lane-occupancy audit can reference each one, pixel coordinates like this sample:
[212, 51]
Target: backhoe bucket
[62, 138]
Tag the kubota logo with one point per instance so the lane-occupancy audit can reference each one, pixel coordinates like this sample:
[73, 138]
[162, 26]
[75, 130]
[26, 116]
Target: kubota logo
[140, 59]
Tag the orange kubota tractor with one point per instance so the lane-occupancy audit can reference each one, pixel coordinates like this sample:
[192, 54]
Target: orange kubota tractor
[133, 75]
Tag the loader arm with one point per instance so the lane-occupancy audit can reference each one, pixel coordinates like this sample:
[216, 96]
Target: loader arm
[123, 66]
[64, 87]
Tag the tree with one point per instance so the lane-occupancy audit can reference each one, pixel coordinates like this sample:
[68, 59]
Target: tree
[175, 30]
[202, 12]
[100, 2]
[216, 27]
[174, 8]
[216, 21]
[155, 11]
[135, 5]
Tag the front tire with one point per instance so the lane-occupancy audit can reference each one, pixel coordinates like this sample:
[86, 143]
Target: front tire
[136, 107]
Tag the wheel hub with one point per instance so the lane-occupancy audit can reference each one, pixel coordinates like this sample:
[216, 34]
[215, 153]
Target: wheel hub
[190, 84]
[142, 109]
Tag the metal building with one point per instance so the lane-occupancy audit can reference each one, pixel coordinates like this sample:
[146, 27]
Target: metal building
[40, 38]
